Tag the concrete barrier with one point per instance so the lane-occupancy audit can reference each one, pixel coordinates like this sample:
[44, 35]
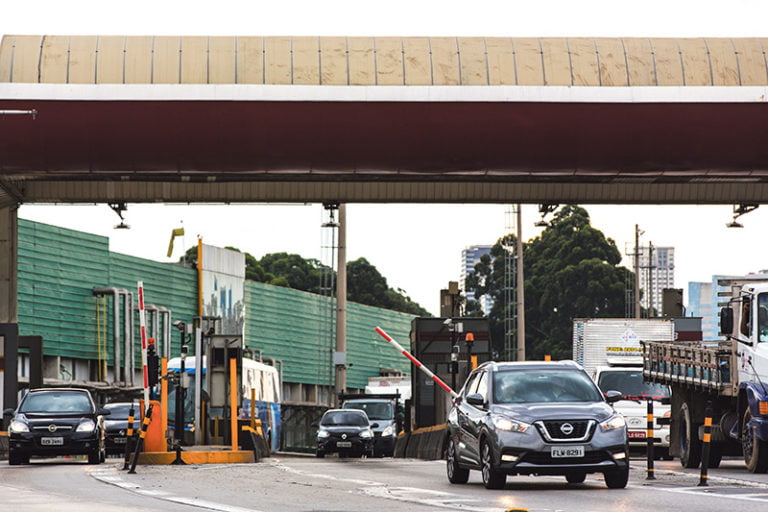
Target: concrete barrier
[401, 443]
[427, 443]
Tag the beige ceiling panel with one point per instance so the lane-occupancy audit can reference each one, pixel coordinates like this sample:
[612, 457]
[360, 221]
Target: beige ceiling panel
[138, 60]
[362, 61]
[26, 59]
[221, 60]
[501, 61]
[669, 67]
[277, 60]
[53, 61]
[250, 60]
[695, 62]
[557, 65]
[306, 61]
[445, 61]
[418, 65]
[82, 59]
[528, 62]
[725, 66]
[165, 60]
[389, 61]
[194, 60]
[474, 64]
[333, 61]
[585, 66]
[613, 63]
[640, 61]
[6, 57]
[752, 65]
[109, 59]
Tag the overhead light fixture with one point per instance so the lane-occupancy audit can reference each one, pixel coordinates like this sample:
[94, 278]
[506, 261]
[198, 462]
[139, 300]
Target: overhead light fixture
[738, 211]
[119, 208]
[734, 224]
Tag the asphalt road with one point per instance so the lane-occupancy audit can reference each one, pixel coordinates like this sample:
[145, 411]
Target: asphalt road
[303, 484]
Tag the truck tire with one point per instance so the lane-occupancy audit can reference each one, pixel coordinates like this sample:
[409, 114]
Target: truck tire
[688, 436]
[755, 450]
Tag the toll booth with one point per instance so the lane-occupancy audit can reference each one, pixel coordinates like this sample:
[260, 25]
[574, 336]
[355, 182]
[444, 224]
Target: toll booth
[220, 348]
[447, 346]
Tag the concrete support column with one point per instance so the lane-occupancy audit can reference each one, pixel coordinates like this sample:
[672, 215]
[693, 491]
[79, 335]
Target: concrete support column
[341, 305]
[8, 264]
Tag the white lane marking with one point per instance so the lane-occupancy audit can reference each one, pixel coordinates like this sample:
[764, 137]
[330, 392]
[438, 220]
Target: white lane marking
[110, 477]
[697, 491]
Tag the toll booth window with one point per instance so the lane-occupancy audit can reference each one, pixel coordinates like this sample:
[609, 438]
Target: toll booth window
[745, 317]
[762, 317]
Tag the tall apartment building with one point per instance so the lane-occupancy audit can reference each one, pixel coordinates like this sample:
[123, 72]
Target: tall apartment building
[657, 271]
[470, 256]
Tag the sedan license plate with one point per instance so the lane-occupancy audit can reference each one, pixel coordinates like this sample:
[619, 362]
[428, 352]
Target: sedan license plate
[637, 434]
[344, 444]
[51, 441]
[559, 452]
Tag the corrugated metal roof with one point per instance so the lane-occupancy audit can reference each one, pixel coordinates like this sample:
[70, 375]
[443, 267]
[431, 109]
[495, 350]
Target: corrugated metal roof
[383, 60]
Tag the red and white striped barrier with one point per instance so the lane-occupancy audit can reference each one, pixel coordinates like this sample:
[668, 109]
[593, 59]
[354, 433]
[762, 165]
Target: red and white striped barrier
[143, 331]
[416, 362]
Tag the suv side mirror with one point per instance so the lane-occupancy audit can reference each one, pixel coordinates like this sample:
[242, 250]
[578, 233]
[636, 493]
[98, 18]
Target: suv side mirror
[726, 321]
[476, 399]
[612, 396]
[8, 412]
[665, 400]
[374, 425]
[314, 424]
[103, 412]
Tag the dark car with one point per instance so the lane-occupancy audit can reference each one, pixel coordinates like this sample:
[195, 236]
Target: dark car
[535, 419]
[116, 425]
[383, 410]
[56, 421]
[346, 432]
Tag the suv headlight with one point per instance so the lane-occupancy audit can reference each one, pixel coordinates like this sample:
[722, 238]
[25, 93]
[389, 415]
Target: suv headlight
[388, 431]
[86, 426]
[366, 434]
[509, 425]
[322, 434]
[18, 427]
[613, 423]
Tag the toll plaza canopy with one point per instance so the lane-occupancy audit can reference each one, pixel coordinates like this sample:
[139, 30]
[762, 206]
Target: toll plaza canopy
[385, 119]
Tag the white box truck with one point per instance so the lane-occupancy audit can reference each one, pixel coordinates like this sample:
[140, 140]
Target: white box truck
[609, 349]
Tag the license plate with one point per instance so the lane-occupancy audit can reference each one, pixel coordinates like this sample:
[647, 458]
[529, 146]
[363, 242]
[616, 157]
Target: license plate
[559, 452]
[344, 444]
[119, 440]
[51, 441]
[637, 434]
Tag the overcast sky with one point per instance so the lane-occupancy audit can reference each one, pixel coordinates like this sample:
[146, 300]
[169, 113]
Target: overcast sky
[416, 247]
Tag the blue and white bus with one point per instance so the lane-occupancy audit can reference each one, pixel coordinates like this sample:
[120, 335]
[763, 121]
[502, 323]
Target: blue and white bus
[262, 378]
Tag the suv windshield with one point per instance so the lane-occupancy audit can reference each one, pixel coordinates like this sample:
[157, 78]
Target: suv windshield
[56, 402]
[630, 384]
[344, 418]
[120, 411]
[556, 385]
[374, 410]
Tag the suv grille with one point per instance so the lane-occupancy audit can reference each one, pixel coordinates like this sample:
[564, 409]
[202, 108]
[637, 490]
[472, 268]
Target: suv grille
[566, 430]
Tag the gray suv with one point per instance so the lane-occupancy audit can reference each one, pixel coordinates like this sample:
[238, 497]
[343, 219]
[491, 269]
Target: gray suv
[535, 418]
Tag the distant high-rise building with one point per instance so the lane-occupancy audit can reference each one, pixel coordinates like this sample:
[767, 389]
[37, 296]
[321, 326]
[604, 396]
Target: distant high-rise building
[470, 256]
[657, 271]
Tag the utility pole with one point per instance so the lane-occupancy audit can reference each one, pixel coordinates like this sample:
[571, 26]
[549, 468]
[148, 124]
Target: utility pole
[520, 288]
[650, 279]
[637, 271]
[340, 358]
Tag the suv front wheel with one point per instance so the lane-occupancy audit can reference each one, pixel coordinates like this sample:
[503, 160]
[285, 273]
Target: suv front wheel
[492, 478]
[616, 479]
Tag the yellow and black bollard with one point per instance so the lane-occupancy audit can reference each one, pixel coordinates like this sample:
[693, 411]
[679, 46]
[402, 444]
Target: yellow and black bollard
[706, 446]
[128, 439]
[140, 440]
[650, 438]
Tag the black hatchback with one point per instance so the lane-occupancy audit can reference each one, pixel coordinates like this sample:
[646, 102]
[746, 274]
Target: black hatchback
[346, 432]
[542, 418]
[56, 421]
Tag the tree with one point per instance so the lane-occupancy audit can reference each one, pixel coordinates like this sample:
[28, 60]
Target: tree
[364, 282]
[367, 286]
[571, 271]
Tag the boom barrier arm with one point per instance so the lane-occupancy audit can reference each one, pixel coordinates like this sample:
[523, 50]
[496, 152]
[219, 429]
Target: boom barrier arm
[416, 362]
